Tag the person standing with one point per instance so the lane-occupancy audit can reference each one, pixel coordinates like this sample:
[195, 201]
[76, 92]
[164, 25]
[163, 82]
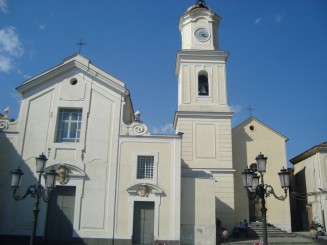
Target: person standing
[246, 227]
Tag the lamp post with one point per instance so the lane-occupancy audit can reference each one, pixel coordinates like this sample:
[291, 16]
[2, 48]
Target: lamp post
[262, 190]
[36, 191]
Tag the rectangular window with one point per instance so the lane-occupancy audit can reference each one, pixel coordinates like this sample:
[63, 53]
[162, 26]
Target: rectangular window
[69, 125]
[145, 167]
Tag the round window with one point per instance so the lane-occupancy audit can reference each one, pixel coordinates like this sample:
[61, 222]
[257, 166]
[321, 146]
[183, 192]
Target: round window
[73, 81]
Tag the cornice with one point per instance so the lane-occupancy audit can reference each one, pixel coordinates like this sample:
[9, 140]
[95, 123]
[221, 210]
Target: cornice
[80, 63]
[203, 56]
[195, 12]
[150, 137]
[201, 115]
[35, 81]
[313, 150]
[205, 173]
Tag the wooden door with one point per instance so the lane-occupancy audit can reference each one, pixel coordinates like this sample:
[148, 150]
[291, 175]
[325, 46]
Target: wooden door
[143, 223]
[60, 214]
[255, 210]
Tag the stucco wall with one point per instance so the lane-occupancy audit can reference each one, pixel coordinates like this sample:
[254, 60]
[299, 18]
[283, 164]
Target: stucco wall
[167, 167]
[247, 144]
[224, 197]
[91, 161]
[315, 175]
[198, 206]
[206, 143]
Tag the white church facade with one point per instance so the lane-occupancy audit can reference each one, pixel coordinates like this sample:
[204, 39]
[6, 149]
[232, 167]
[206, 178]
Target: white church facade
[118, 183]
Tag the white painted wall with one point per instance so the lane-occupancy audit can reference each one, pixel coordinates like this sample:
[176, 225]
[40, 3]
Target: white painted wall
[315, 169]
[198, 225]
[92, 161]
[165, 186]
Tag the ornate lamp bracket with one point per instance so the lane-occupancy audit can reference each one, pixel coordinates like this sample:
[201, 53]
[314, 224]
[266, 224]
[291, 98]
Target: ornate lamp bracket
[270, 190]
[34, 191]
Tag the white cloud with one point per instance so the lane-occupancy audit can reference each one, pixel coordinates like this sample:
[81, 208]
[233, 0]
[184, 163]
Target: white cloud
[10, 48]
[258, 20]
[42, 26]
[278, 18]
[3, 6]
[5, 64]
[163, 129]
[10, 43]
[236, 108]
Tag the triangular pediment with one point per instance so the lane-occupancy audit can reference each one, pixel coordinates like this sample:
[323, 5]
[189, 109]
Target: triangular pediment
[70, 66]
[251, 120]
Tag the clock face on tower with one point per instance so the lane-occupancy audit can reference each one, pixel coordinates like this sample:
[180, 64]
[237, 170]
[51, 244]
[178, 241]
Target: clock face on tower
[201, 34]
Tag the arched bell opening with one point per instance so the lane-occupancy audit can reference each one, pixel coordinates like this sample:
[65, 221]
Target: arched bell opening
[203, 84]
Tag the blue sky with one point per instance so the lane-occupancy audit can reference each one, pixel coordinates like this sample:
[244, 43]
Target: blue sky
[277, 61]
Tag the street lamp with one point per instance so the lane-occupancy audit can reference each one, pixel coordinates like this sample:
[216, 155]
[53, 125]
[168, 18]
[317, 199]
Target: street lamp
[36, 191]
[262, 190]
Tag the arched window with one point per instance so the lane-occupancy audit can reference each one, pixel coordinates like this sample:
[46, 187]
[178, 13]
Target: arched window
[203, 85]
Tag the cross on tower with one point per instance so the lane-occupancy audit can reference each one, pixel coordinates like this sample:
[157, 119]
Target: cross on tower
[201, 2]
[80, 44]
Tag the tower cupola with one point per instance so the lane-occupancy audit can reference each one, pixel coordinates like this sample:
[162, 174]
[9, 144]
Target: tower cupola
[199, 27]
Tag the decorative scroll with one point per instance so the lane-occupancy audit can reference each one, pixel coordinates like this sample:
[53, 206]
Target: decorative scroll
[3, 126]
[139, 129]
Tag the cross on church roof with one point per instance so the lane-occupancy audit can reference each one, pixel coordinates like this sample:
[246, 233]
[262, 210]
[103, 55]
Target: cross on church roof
[80, 44]
[201, 2]
[250, 109]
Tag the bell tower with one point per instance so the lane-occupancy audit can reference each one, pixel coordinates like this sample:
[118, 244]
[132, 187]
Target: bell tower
[203, 116]
[203, 113]
[200, 65]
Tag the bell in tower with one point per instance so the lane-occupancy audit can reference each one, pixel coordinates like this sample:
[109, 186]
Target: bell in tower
[203, 85]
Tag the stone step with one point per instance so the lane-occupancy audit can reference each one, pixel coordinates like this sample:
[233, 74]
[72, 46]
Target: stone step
[255, 230]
